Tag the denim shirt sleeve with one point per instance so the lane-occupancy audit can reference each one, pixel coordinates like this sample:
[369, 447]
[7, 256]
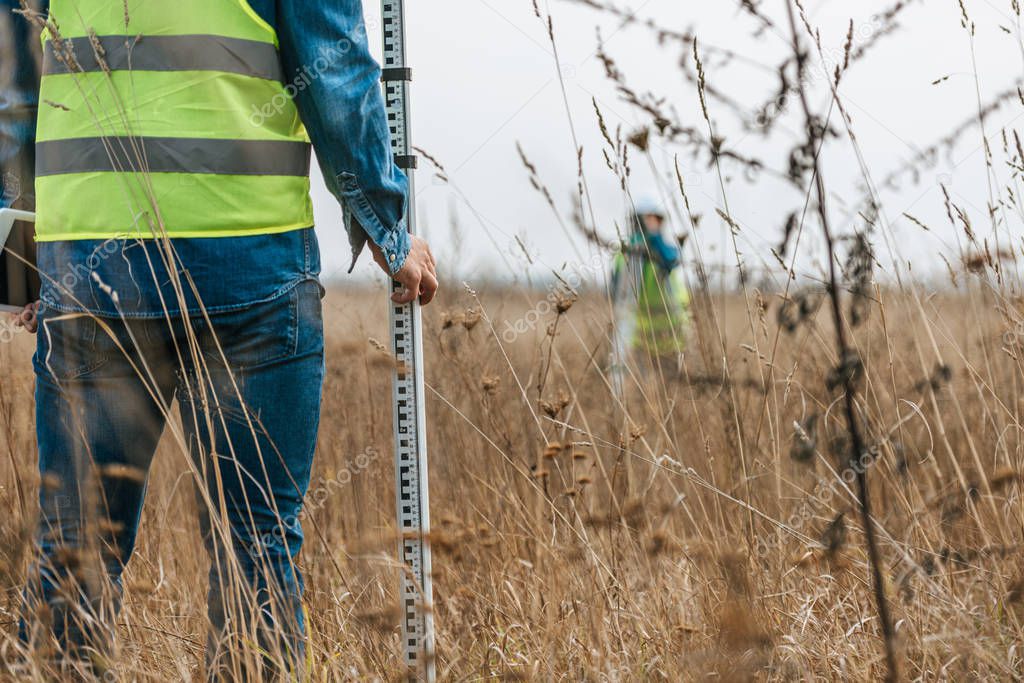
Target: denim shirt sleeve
[19, 98]
[336, 82]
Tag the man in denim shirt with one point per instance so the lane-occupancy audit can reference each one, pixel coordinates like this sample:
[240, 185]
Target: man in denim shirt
[231, 327]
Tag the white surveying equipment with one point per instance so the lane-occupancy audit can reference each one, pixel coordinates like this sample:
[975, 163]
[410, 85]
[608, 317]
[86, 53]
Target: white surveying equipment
[415, 593]
[8, 217]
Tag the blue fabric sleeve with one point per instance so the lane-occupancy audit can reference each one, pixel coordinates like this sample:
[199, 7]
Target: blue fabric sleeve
[666, 254]
[336, 82]
[663, 253]
[19, 98]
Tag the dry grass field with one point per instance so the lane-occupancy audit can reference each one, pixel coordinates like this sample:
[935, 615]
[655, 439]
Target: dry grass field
[704, 527]
[710, 520]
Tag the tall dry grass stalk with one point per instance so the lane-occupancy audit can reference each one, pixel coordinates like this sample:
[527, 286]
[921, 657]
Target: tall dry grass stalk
[848, 371]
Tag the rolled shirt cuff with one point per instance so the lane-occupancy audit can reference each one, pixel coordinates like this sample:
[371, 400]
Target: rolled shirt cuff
[394, 241]
[396, 248]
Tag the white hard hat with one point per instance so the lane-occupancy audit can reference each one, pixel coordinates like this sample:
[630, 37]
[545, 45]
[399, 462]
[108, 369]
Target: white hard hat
[649, 206]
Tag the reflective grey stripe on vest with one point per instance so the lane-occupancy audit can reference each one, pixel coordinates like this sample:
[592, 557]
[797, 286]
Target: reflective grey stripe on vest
[172, 155]
[166, 53]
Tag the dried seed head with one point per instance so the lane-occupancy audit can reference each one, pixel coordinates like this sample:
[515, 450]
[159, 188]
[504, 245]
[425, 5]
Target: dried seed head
[382, 621]
[641, 138]
[849, 371]
[1003, 477]
[444, 541]
[67, 556]
[489, 384]
[941, 376]
[799, 308]
[384, 358]
[552, 449]
[633, 510]
[1016, 592]
[659, 542]
[554, 407]
[109, 526]
[805, 439]
[121, 471]
[98, 51]
[471, 317]
[834, 535]
[450, 319]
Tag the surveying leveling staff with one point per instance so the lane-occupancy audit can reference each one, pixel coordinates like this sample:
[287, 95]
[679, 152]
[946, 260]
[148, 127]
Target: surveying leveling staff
[221, 99]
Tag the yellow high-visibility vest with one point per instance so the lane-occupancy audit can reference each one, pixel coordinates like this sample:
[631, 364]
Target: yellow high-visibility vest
[660, 306]
[161, 117]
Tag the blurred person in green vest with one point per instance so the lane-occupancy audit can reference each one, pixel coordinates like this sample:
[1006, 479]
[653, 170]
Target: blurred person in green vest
[648, 289]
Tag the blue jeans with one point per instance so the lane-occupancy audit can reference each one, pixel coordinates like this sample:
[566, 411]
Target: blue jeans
[248, 384]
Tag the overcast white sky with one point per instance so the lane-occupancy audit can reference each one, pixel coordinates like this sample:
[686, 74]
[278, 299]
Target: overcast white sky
[486, 80]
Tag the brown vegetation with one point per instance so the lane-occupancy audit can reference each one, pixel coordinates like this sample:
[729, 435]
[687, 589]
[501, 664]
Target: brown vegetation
[672, 537]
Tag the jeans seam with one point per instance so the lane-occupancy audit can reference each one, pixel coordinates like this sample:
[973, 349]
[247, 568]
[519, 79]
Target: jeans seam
[295, 321]
[233, 308]
[307, 267]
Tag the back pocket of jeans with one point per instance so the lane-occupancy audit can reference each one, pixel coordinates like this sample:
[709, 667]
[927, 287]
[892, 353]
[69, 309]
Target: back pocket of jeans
[260, 334]
[66, 344]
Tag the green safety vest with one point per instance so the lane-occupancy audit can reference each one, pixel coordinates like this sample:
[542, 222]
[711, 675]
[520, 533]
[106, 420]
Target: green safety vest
[662, 310]
[166, 117]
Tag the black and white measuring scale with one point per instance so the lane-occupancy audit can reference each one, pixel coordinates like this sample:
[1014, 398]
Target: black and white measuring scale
[415, 594]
